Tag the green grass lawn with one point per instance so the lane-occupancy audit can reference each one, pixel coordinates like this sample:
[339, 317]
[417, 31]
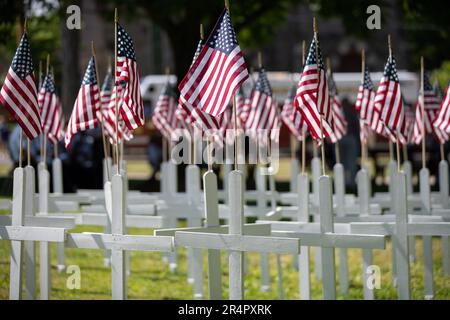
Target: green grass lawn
[150, 277]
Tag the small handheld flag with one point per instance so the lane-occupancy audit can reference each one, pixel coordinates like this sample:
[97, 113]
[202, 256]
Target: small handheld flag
[217, 72]
[19, 94]
[87, 105]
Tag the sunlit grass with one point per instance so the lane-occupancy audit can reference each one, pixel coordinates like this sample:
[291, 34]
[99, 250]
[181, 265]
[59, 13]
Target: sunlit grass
[151, 279]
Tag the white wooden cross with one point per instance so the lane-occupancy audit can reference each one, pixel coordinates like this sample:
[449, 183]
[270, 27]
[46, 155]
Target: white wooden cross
[445, 202]
[212, 225]
[237, 240]
[18, 233]
[323, 235]
[119, 242]
[400, 232]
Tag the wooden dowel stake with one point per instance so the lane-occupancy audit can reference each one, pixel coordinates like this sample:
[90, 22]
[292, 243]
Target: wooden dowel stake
[102, 126]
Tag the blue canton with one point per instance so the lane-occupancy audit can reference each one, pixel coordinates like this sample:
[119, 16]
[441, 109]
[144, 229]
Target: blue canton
[223, 37]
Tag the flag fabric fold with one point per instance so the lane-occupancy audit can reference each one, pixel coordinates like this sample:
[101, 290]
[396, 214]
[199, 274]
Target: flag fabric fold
[52, 117]
[441, 123]
[87, 105]
[264, 114]
[431, 108]
[192, 114]
[291, 117]
[389, 102]
[365, 100]
[127, 77]
[19, 94]
[217, 72]
[339, 122]
[312, 96]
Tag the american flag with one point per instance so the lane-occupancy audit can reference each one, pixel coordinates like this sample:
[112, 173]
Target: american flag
[132, 108]
[291, 117]
[263, 114]
[431, 108]
[102, 113]
[312, 97]
[19, 94]
[87, 105]
[364, 131]
[164, 117]
[339, 122]
[442, 120]
[242, 108]
[364, 100]
[190, 113]
[389, 101]
[52, 117]
[109, 115]
[217, 72]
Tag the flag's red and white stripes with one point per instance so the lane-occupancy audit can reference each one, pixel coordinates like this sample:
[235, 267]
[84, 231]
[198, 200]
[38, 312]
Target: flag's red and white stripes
[306, 102]
[442, 120]
[339, 122]
[430, 104]
[389, 102]
[19, 94]
[312, 97]
[52, 117]
[217, 72]
[132, 108]
[292, 118]
[87, 105]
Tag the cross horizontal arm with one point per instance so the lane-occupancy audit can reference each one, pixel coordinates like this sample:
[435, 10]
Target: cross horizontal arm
[32, 233]
[42, 221]
[119, 242]
[234, 242]
[335, 240]
[250, 229]
[131, 220]
[414, 229]
[70, 197]
[305, 227]
[180, 211]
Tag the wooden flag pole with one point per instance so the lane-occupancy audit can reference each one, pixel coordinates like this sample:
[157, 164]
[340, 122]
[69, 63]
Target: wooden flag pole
[363, 69]
[397, 143]
[209, 150]
[227, 6]
[422, 109]
[116, 20]
[28, 139]
[441, 147]
[28, 152]
[20, 30]
[167, 142]
[40, 85]
[55, 150]
[194, 144]
[44, 133]
[304, 132]
[391, 146]
[108, 141]
[322, 146]
[293, 147]
[336, 144]
[20, 147]
[105, 151]
[405, 152]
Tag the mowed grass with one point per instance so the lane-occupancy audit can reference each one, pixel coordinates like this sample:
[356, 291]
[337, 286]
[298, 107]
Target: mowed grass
[151, 279]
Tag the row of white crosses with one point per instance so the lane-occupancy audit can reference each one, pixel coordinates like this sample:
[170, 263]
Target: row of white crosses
[237, 237]
[26, 229]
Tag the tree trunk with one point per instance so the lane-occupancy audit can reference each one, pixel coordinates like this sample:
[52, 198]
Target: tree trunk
[184, 43]
[70, 62]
